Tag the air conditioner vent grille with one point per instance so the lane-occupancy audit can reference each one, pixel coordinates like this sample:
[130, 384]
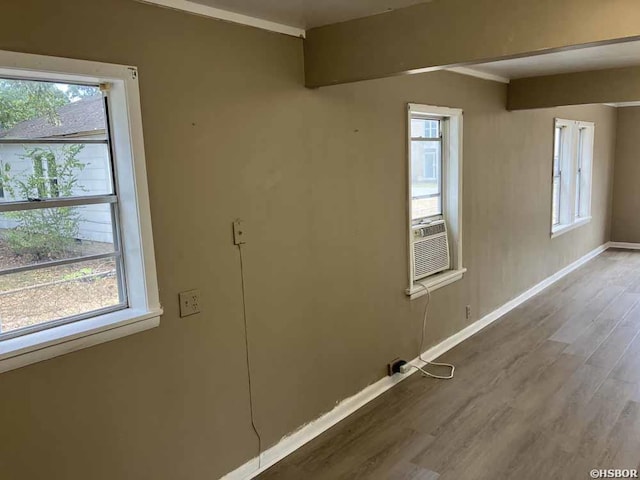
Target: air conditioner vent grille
[430, 256]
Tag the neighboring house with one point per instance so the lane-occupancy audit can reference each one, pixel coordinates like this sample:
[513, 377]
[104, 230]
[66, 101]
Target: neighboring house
[83, 120]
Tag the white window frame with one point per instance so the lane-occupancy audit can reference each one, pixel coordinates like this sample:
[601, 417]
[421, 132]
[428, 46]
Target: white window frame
[440, 169]
[451, 124]
[143, 310]
[576, 150]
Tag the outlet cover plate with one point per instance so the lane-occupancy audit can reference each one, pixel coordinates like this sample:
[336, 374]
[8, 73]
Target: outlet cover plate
[239, 232]
[189, 302]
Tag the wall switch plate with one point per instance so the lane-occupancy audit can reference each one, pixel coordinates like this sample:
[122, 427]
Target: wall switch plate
[239, 233]
[189, 303]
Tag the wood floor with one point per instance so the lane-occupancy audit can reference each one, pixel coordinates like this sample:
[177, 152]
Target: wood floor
[550, 391]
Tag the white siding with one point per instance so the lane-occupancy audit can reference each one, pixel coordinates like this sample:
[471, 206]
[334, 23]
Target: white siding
[93, 180]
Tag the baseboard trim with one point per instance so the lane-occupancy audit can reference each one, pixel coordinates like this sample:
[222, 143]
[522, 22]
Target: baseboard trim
[311, 430]
[625, 245]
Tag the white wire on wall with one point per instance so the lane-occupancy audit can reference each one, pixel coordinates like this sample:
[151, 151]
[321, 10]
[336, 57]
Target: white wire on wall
[424, 328]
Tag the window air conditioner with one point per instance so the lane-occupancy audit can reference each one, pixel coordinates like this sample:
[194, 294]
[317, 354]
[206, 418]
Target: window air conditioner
[429, 249]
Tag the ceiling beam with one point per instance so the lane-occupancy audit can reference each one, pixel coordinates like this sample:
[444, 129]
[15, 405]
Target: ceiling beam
[451, 33]
[615, 85]
[227, 16]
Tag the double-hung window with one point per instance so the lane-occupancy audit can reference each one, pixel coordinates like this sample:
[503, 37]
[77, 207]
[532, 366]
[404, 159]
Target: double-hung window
[434, 191]
[61, 254]
[76, 250]
[571, 175]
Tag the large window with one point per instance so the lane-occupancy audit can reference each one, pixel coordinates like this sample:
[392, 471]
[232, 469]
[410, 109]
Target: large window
[60, 254]
[76, 251]
[435, 192]
[571, 176]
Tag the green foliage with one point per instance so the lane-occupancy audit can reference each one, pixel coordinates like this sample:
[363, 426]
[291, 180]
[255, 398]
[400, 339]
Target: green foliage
[23, 100]
[45, 233]
[78, 274]
[77, 92]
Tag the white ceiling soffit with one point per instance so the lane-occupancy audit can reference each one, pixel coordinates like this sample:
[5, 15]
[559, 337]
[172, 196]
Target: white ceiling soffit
[305, 14]
[616, 55]
[291, 17]
[220, 14]
[623, 104]
[474, 72]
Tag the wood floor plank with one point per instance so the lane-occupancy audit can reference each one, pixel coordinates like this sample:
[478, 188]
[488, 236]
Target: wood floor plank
[466, 449]
[572, 329]
[628, 367]
[516, 461]
[597, 331]
[387, 451]
[546, 383]
[567, 406]
[411, 471]
[623, 443]
[589, 433]
[455, 436]
[551, 390]
[615, 345]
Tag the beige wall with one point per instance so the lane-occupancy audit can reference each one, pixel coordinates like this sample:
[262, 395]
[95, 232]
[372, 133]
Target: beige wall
[626, 201]
[615, 85]
[319, 177]
[441, 33]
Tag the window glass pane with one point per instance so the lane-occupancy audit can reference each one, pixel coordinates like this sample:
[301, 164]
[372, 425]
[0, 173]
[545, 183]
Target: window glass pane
[42, 171]
[579, 172]
[45, 110]
[39, 296]
[426, 179]
[426, 207]
[556, 201]
[557, 179]
[29, 237]
[425, 128]
[556, 150]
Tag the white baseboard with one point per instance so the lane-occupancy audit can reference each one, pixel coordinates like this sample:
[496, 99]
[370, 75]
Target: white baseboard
[625, 245]
[311, 430]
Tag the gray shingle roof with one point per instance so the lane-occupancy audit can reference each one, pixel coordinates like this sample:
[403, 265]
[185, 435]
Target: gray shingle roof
[84, 116]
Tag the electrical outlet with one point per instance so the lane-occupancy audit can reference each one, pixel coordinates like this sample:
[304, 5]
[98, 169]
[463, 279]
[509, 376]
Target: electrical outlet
[189, 303]
[239, 232]
[468, 312]
[395, 366]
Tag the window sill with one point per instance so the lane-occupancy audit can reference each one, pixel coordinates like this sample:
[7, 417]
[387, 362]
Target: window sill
[434, 282]
[562, 229]
[35, 347]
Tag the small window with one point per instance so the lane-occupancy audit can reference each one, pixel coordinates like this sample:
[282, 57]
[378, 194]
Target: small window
[76, 250]
[571, 175]
[435, 197]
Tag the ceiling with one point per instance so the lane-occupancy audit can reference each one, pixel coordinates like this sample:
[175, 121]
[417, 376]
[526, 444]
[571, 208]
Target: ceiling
[305, 14]
[601, 57]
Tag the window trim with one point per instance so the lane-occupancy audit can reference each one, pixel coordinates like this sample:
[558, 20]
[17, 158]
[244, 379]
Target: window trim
[452, 183]
[144, 310]
[570, 149]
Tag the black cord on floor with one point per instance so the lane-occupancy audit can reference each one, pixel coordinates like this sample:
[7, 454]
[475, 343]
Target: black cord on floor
[246, 343]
